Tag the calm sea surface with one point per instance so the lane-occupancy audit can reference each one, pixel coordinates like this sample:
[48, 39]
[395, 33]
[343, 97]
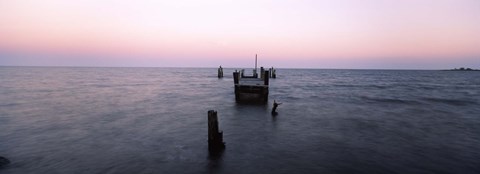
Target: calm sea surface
[154, 120]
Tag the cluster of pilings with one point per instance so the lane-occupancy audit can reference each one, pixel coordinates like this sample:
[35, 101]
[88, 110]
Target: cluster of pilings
[273, 73]
[270, 73]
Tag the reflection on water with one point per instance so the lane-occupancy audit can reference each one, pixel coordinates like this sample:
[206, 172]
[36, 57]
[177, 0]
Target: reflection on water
[215, 161]
[153, 120]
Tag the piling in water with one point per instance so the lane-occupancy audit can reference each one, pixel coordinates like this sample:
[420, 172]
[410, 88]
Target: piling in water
[272, 73]
[266, 79]
[236, 77]
[274, 109]
[262, 72]
[215, 137]
[220, 72]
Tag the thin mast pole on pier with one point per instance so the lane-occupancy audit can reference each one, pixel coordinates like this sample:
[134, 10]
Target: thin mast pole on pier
[255, 64]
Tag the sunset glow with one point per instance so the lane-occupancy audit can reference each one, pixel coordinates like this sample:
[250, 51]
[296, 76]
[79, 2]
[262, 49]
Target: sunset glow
[313, 34]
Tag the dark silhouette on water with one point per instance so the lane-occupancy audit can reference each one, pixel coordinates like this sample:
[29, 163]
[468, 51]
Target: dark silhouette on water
[220, 72]
[215, 137]
[272, 73]
[274, 109]
[4, 161]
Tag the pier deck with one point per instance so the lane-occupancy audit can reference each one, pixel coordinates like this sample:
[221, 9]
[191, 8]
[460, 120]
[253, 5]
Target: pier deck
[251, 90]
[251, 82]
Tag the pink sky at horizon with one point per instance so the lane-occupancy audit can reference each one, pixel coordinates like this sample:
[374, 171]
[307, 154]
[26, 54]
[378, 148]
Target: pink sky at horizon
[306, 33]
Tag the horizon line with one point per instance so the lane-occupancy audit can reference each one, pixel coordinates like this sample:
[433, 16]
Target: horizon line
[299, 68]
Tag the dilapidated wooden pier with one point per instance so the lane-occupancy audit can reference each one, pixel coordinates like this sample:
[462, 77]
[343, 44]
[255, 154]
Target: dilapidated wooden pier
[254, 88]
[251, 89]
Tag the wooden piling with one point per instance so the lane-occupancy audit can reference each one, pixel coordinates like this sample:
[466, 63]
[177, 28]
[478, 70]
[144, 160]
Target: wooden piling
[235, 77]
[220, 72]
[274, 109]
[215, 137]
[266, 78]
[262, 72]
[272, 73]
[266, 83]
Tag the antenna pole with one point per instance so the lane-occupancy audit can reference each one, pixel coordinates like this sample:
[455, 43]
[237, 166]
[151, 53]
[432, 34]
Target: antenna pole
[255, 63]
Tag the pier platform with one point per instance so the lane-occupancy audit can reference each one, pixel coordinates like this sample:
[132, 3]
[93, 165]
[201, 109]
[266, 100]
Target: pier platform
[251, 90]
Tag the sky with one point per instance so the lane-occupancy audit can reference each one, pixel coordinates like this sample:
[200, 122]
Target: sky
[380, 34]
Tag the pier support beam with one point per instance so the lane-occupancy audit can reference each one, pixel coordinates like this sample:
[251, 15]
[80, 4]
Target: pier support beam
[266, 83]
[215, 138]
[236, 78]
[266, 78]
[262, 72]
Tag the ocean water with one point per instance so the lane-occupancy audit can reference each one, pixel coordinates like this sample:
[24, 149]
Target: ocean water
[154, 120]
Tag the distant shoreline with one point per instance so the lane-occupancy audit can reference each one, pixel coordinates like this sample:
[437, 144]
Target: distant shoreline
[462, 69]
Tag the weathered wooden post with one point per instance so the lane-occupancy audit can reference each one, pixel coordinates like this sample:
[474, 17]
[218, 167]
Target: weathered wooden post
[274, 73]
[215, 138]
[266, 79]
[274, 109]
[262, 72]
[265, 89]
[236, 78]
[220, 72]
